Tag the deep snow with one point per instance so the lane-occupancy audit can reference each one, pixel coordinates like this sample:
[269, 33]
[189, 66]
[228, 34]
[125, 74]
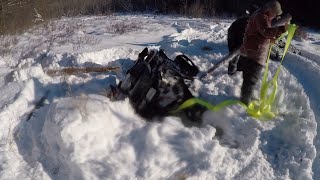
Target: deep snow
[78, 133]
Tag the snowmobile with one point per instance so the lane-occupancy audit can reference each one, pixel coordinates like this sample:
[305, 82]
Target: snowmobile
[157, 85]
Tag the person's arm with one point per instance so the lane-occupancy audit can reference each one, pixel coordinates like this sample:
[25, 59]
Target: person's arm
[282, 21]
[265, 29]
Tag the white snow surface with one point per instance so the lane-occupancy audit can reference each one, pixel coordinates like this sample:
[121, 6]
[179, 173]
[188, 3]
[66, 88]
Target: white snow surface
[78, 133]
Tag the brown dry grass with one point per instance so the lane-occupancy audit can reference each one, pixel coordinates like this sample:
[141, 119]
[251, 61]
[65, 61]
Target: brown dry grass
[78, 70]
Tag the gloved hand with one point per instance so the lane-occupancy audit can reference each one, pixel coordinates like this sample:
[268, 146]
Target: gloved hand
[284, 28]
[273, 40]
[287, 17]
[232, 67]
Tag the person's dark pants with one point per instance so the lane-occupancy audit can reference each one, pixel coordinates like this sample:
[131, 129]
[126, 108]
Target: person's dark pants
[251, 75]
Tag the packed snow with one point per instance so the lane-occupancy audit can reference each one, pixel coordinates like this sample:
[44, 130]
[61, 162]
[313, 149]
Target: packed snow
[65, 127]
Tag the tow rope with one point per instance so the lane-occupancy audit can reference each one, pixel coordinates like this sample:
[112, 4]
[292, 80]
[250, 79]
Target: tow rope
[262, 108]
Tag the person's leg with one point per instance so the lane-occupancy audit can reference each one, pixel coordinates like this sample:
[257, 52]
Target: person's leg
[251, 75]
[247, 87]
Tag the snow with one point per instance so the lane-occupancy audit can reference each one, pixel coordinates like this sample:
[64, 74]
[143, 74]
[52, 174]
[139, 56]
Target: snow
[79, 133]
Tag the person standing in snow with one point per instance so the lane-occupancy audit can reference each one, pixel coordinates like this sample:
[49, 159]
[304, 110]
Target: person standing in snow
[258, 35]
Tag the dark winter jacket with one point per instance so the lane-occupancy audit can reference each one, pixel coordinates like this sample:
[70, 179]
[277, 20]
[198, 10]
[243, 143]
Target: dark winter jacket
[258, 35]
[236, 33]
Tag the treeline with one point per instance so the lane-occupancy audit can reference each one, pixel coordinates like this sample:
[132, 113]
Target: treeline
[16, 15]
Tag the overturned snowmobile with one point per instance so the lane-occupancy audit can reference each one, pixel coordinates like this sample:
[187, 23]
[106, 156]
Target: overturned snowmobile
[157, 85]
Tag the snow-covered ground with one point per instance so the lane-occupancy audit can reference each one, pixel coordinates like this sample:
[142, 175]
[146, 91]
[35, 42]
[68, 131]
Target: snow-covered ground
[76, 132]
